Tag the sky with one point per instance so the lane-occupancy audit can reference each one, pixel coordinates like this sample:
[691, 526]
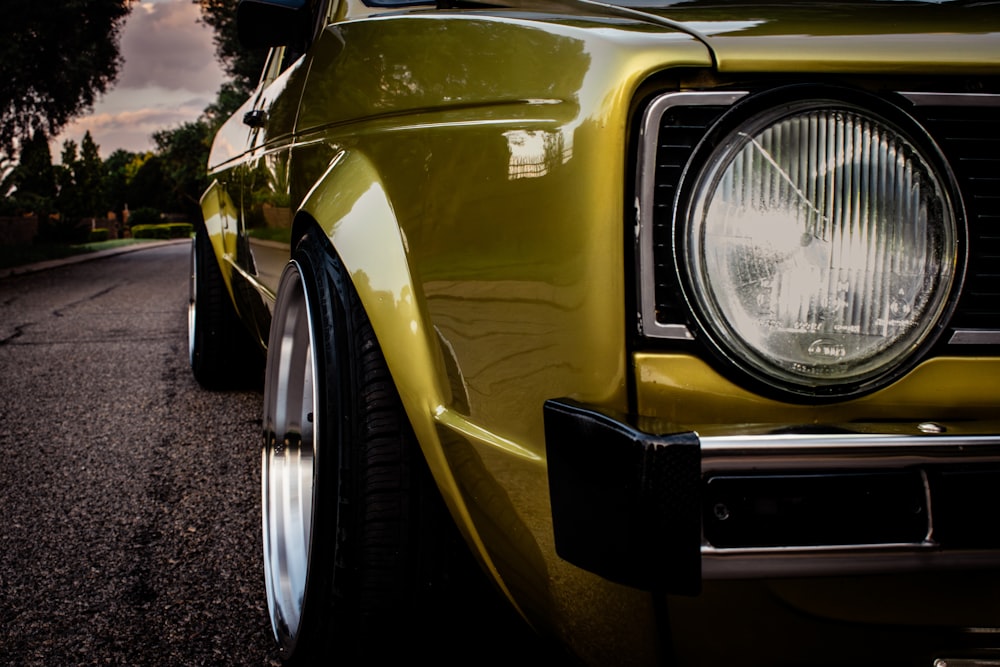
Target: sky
[169, 75]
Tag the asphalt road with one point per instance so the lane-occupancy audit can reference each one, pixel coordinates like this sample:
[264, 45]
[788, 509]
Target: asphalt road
[129, 495]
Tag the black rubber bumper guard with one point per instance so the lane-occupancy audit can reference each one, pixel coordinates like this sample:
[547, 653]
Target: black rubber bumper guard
[663, 511]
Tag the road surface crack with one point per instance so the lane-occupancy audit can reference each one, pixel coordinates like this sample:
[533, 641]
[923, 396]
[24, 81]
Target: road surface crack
[59, 312]
[18, 332]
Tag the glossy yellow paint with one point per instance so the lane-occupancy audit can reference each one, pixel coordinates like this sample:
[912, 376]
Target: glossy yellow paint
[477, 203]
[220, 215]
[363, 229]
[469, 170]
[685, 391]
[503, 175]
[231, 141]
[356, 214]
[862, 37]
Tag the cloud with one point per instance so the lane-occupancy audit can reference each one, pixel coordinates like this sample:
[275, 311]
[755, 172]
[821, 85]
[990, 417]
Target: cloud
[163, 44]
[169, 76]
[132, 128]
[139, 118]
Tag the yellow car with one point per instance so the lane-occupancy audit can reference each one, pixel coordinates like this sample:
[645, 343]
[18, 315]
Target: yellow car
[689, 312]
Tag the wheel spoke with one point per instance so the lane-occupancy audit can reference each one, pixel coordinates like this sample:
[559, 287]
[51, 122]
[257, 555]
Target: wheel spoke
[289, 456]
[192, 301]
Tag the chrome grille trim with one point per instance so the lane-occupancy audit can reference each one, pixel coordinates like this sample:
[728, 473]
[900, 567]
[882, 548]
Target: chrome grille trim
[846, 561]
[842, 451]
[953, 99]
[651, 326]
[776, 453]
[645, 206]
[975, 337]
[964, 125]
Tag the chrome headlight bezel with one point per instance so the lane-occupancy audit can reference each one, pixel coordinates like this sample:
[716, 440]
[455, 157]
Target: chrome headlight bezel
[755, 365]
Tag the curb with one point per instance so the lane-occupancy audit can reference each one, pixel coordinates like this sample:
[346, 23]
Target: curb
[85, 257]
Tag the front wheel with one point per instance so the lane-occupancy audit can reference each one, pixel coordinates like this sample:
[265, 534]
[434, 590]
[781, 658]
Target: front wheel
[343, 487]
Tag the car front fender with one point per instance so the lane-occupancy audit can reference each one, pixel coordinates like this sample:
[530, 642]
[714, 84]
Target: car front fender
[351, 206]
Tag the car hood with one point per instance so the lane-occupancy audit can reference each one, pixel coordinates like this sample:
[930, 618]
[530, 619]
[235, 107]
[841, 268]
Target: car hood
[961, 36]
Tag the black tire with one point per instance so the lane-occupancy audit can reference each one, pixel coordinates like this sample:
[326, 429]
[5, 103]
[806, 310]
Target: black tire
[354, 574]
[220, 350]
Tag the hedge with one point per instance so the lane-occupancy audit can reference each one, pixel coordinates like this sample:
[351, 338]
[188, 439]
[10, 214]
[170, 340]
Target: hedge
[169, 230]
[98, 234]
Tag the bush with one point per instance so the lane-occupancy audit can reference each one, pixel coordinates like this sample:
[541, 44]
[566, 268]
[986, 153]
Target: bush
[150, 232]
[180, 230]
[99, 234]
[142, 217]
[172, 230]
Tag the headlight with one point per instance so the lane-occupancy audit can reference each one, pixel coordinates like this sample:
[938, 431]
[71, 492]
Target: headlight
[819, 248]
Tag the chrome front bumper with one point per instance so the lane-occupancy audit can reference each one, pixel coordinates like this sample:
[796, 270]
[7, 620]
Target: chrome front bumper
[661, 508]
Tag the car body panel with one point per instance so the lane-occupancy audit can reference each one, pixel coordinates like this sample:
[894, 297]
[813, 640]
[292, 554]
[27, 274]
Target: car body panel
[390, 197]
[682, 389]
[842, 37]
[468, 167]
[221, 215]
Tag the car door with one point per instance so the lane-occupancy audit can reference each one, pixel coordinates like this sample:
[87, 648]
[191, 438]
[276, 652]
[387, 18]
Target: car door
[264, 207]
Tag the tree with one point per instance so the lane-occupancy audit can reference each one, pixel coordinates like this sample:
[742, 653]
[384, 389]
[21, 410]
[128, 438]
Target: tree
[242, 64]
[34, 178]
[66, 199]
[80, 178]
[183, 153]
[55, 59]
[30, 185]
[90, 178]
[176, 177]
[146, 189]
[227, 101]
[116, 181]
[65, 227]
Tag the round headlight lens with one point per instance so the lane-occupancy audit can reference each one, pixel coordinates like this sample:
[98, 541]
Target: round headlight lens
[821, 247]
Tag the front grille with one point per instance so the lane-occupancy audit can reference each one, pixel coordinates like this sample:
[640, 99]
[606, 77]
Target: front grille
[680, 130]
[966, 128]
[969, 136]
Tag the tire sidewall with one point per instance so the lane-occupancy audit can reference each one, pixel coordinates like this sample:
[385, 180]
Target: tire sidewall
[329, 620]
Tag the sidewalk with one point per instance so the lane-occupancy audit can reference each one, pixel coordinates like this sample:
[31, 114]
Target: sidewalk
[85, 257]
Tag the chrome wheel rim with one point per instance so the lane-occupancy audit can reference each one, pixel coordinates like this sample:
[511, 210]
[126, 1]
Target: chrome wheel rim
[192, 297]
[288, 457]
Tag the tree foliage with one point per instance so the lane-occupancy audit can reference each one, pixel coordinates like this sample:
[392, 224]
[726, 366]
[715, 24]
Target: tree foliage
[64, 195]
[183, 153]
[89, 177]
[80, 177]
[116, 180]
[55, 59]
[34, 177]
[242, 64]
[171, 179]
[229, 99]
[30, 187]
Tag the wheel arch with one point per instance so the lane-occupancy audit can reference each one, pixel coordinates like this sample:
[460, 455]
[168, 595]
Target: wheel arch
[218, 213]
[352, 208]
